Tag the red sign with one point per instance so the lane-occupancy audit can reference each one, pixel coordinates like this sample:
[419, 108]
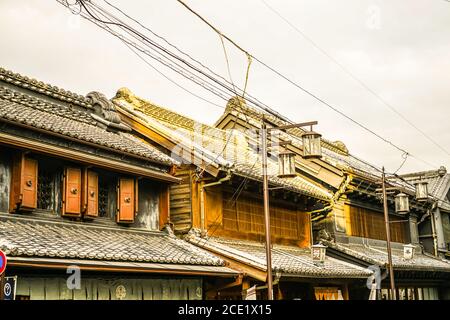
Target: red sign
[2, 262]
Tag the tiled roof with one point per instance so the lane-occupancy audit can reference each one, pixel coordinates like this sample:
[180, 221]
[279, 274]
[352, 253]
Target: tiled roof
[335, 153]
[67, 118]
[25, 237]
[209, 142]
[438, 184]
[37, 86]
[376, 254]
[287, 260]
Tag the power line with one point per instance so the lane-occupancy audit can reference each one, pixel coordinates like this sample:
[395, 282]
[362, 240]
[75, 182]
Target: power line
[168, 62]
[299, 86]
[349, 73]
[163, 50]
[106, 15]
[206, 85]
[166, 77]
[169, 79]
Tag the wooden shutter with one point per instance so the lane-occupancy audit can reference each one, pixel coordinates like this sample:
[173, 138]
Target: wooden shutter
[164, 206]
[126, 207]
[23, 194]
[72, 192]
[90, 194]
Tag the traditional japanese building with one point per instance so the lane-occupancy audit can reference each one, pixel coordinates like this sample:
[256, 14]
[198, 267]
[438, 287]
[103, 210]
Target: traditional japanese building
[219, 207]
[352, 224]
[84, 204]
[434, 228]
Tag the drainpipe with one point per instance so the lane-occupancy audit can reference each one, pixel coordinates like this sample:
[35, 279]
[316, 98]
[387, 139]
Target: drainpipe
[202, 200]
[433, 228]
[430, 214]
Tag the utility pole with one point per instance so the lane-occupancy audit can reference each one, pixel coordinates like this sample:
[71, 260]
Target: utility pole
[266, 211]
[388, 236]
[311, 149]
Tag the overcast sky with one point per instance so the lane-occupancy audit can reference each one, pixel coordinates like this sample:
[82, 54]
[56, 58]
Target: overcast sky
[399, 49]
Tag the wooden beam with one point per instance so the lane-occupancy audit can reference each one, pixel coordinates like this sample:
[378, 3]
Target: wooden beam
[84, 158]
[44, 265]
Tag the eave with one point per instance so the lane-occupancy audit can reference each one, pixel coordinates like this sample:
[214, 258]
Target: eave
[86, 158]
[165, 140]
[123, 267]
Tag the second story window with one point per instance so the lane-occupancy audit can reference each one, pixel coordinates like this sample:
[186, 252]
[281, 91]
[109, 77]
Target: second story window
[107, 194]
[48, 186]
[103, 198]
[51, 185]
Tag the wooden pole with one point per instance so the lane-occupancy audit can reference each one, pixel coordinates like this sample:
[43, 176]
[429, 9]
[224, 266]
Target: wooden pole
[388, 237]
[2, 285]
[266, 211]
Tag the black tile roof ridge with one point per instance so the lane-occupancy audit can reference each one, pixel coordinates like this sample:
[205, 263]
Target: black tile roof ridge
[135, 147]
[90, 225]
[347, 248]
[37, 103]
[422, 174]
[43, 88]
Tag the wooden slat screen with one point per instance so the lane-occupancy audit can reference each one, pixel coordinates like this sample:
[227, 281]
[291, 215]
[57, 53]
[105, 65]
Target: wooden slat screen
[362, 222]
[247, 216]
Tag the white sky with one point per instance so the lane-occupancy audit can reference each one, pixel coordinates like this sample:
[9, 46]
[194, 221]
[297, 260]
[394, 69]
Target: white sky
[400, 49]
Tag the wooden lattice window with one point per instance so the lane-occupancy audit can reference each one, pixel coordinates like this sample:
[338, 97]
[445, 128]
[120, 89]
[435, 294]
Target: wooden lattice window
[362, 222]
[247, 216]
[45, 189]
[103, 194]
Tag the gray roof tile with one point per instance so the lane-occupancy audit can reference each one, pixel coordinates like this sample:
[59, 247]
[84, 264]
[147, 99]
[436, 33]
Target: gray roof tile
[224, 148]
[378, 255]
[286, 259]
[73, 122]
[31, 237]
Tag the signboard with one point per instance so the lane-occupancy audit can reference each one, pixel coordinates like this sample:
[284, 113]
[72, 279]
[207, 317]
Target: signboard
[2, 262]
[9, 288]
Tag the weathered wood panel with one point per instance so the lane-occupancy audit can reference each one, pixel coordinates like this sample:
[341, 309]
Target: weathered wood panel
[148, 207]
[181, 201]
[5, 179]
[213, 206]
[445, 218]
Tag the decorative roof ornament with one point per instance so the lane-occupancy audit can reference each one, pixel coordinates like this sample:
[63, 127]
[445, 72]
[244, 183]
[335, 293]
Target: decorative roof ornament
[103, 107]
[127, 95]
[442, 171]
[40, 87]
[236, 103]
[105, 112]
[341, 146]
